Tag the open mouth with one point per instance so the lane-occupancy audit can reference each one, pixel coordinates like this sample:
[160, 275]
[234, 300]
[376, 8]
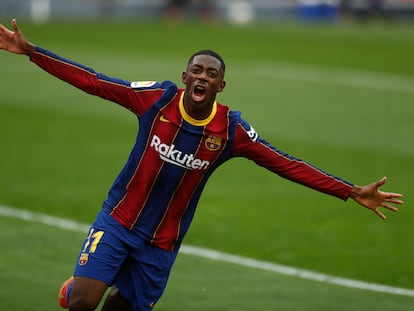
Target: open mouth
[199, 92]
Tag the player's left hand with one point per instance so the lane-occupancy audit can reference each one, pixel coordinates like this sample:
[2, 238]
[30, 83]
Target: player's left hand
[14, 41]
[372, 198]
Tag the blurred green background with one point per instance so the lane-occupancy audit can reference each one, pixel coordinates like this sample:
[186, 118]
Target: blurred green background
[337, 95]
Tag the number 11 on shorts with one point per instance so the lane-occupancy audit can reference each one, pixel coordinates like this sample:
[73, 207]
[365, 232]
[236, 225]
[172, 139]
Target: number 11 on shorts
[92, 241]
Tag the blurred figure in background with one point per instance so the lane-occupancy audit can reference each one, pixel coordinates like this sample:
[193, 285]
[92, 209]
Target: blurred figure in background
[208, 10]
[376, 10]
[176, 11]
[367, 10]
[345, 9]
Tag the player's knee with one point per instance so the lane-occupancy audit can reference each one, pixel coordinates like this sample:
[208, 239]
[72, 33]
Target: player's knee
[82, 303]
[115, 302]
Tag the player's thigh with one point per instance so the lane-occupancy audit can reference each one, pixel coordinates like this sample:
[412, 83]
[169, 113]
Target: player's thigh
[103, 252]
[99, 261]
[144, 274]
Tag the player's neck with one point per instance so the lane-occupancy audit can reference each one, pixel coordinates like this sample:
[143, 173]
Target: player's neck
[197, 113]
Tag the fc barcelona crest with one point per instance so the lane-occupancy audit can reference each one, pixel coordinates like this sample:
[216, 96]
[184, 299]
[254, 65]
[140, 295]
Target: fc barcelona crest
[213, 142]
[83, 259]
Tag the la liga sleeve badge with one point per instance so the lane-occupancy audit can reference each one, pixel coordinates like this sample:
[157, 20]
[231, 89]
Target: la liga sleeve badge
[142, 84]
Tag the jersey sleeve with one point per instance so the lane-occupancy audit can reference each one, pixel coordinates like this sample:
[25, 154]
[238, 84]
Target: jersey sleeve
[250, 145]
[135, 96]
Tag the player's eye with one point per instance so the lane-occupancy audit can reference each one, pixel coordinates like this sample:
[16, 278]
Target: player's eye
[195, 70]
[212, 74]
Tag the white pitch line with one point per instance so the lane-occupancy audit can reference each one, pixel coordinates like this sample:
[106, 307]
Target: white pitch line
[71, 225]
[331, 75]
[292, 271]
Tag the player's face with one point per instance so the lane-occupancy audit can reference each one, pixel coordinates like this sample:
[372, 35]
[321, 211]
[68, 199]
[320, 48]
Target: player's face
[203, 79]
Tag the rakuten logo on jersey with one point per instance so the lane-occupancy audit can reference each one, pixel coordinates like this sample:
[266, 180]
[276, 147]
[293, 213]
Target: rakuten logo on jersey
[171, 155]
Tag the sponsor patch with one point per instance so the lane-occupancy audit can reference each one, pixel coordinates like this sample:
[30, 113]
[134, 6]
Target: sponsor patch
[170, 154]
[141, 84]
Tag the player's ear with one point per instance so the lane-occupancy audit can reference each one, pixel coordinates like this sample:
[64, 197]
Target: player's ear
[221, 86]
[184, 77]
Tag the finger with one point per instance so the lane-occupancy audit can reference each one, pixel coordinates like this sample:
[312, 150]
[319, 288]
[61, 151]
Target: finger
[391, 195]
[390, 207]
[380, 215]
[395, 201]
[381, 182]
[14, 25]
[393, 198]
[3, 29]
[16, 28]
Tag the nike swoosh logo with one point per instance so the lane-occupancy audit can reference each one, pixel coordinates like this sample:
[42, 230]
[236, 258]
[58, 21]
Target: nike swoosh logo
[164, 119]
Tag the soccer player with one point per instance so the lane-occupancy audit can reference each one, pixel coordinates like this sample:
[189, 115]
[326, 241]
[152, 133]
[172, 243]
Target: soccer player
[183, 136]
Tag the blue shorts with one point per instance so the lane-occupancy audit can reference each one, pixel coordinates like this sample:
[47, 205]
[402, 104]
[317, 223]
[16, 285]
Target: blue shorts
[115, 255]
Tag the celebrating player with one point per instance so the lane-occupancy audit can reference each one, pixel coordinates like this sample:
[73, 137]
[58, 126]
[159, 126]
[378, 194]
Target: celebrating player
[184, 135]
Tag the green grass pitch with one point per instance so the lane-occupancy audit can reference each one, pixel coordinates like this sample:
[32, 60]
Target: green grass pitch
[338, 96]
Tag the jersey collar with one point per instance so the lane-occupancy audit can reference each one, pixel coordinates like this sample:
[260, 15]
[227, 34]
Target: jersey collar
[193, 121]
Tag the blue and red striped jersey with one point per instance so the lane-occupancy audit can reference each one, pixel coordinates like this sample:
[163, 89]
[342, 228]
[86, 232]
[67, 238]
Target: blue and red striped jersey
[157, 191]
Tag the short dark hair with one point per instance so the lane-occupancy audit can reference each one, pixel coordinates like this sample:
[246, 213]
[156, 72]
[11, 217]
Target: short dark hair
[210, 53]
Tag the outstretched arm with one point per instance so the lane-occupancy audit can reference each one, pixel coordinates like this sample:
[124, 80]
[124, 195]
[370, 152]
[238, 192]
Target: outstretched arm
[14, 41]
[372, 198]
[114, 89]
